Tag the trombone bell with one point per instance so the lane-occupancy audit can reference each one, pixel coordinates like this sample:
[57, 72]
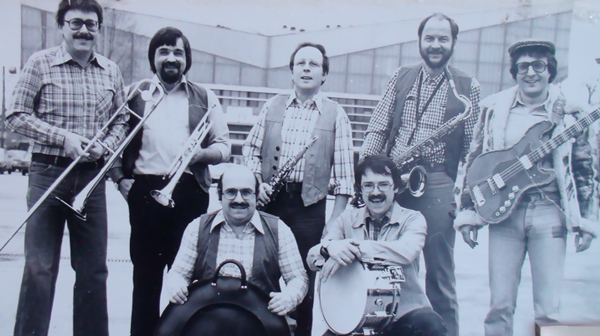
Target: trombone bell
[162, 198]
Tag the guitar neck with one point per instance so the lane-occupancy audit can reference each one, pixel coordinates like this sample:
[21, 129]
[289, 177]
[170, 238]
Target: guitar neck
[563, 137]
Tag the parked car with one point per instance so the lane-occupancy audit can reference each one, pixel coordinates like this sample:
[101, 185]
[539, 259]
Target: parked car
[20, 160]
[6, 162]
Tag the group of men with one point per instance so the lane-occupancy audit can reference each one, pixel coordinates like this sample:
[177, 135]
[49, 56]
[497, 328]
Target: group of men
[66, 95]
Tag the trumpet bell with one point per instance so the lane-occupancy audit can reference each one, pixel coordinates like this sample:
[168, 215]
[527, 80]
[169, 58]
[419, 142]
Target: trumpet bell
[162, 198]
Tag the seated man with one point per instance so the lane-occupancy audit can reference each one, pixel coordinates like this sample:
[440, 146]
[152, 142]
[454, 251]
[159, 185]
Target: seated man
[385, 231]
[237, 228]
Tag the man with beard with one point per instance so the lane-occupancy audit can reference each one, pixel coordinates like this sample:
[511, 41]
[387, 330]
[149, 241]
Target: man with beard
[64, 96]
[155, 229]
[262, 243]
[286, 123]
[384, 231]
[416, 103]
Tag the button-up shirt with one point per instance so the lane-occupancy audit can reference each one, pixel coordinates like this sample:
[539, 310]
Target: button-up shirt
[55, 95]
[241, 248]
[298, 124]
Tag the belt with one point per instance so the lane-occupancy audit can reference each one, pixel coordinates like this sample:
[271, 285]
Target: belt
[434, 167]
[293, 187]
[531, 196]
[63, 162]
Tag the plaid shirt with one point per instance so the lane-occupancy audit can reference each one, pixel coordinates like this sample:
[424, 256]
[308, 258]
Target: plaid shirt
[298, 124]
[55, 95]
[431, 119]
[241, 248]
[374, 226]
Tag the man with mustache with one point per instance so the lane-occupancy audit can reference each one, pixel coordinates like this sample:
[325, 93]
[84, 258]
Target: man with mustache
[155, 229]
[286, 123]
[385, 231]
[417, 101]
[542, 217]
[64, 96]
[262, 243]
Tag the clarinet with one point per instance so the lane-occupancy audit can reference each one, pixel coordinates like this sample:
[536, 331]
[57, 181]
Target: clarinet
[277, 181]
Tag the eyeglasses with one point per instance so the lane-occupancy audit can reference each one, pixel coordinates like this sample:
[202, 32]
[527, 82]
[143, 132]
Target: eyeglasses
[231, 193]
[538, 66]
[76, 24]
[370, 186]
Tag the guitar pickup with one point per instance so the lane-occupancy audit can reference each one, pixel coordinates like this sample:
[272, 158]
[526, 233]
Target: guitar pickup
[499, 181]
[478, 195]
[525, 162]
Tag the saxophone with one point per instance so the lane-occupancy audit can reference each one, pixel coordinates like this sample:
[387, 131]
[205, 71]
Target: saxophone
[277, 181]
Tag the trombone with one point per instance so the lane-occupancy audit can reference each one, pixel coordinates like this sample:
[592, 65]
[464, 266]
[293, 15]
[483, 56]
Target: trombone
[79, 204]
[165, 196]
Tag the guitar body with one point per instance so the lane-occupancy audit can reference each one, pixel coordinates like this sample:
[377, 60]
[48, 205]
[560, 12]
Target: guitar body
[494, 191]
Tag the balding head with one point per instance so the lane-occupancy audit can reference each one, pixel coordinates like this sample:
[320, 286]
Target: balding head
[237, 192]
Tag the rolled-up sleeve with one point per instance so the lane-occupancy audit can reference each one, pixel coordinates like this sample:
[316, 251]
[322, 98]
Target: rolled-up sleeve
[218, 137]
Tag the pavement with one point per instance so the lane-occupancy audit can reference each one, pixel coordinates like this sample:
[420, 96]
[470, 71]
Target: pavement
[581, 285]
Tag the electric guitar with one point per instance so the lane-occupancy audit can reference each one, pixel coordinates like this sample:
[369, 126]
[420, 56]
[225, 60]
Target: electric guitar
[498, 179]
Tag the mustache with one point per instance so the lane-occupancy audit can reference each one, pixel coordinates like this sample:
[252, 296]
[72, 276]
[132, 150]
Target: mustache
[175, 64]
[239, 205]
[376, 198]
[83, 36]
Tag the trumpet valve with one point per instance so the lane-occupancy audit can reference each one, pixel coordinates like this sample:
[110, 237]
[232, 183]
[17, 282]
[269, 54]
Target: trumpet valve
[162, 198]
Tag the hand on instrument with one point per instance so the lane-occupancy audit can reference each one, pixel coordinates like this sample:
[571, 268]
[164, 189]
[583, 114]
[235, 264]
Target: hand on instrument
[329, 268]
[583, 240]
[469, 234]
[177, 289]
[264, 193]
[124, 187]
[74, 145]
[96, 152]
[343, 251]
[280, 303]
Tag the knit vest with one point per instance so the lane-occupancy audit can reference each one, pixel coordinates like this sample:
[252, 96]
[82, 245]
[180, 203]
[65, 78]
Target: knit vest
[318, 159]
[265, 268]
[198, 105]
[454, 141]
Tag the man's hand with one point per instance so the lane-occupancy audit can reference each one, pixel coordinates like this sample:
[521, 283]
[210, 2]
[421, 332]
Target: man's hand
[329, 268]
[583, 240]
[125, 186]
[469, 234]
[177, 289]
[264, 194]
[96, 152]
[280, 303]
[343, 251]
[74, 145]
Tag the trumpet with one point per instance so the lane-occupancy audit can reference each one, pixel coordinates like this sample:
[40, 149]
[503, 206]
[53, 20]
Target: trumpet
[165, 196]
[79, 203]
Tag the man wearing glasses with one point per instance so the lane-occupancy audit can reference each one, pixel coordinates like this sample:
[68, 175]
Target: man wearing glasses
[385, 231]
[262, 243]
[540, 221]
[64, 96]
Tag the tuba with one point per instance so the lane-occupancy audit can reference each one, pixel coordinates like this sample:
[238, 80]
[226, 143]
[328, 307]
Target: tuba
[78, 205]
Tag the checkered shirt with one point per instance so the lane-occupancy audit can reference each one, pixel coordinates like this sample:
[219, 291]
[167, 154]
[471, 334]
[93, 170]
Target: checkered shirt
[241, 248]
[55, 95]
[296, 131]
[431, 119]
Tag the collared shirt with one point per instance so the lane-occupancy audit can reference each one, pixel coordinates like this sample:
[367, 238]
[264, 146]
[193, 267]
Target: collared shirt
[296, 131]
[55, 95]
[430, 120]
[241, 248]
[374, 226]
[167, 129]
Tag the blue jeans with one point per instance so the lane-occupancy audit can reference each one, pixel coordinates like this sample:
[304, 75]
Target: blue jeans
[43, 238]
[537, 226]
[436, 204]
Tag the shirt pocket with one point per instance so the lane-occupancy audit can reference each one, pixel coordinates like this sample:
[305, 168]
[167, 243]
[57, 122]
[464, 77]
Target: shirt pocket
[52, 100]
[104, 101]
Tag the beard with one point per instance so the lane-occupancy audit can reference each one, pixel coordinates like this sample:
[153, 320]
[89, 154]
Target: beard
[168, 76]
[446, 54]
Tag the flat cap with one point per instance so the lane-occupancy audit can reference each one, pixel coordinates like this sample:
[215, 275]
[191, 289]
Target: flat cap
[531, 43]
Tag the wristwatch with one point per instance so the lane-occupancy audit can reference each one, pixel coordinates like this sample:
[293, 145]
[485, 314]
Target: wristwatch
[324, 252]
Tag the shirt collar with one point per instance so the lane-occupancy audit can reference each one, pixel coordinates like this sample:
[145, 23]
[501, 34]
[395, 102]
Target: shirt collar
[427, 79]
[63, 56]
[519, 102]
[255, 221]
[318, 99]
[391, 214]
[182, 85]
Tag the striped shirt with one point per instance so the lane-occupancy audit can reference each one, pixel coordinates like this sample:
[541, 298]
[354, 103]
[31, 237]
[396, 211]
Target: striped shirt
[430, 119]
[55, 95]
[296, 131]
[241, 248]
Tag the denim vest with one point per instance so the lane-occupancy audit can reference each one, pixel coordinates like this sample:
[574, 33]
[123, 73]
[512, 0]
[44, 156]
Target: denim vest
[318, 158]
[454, 141]
[265, 268]
[198, 105]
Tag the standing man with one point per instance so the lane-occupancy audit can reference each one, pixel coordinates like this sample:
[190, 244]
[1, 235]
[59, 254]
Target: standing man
[64, 97]
[416, 103]
[539, 223]
[156, 230]
[385, 231]
[286, 123]
[262, 243]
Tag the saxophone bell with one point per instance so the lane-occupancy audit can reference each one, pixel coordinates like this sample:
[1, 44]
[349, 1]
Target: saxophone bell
[414, 181]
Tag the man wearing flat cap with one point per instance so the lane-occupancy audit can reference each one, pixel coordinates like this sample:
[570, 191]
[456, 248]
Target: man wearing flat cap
[542, 217]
